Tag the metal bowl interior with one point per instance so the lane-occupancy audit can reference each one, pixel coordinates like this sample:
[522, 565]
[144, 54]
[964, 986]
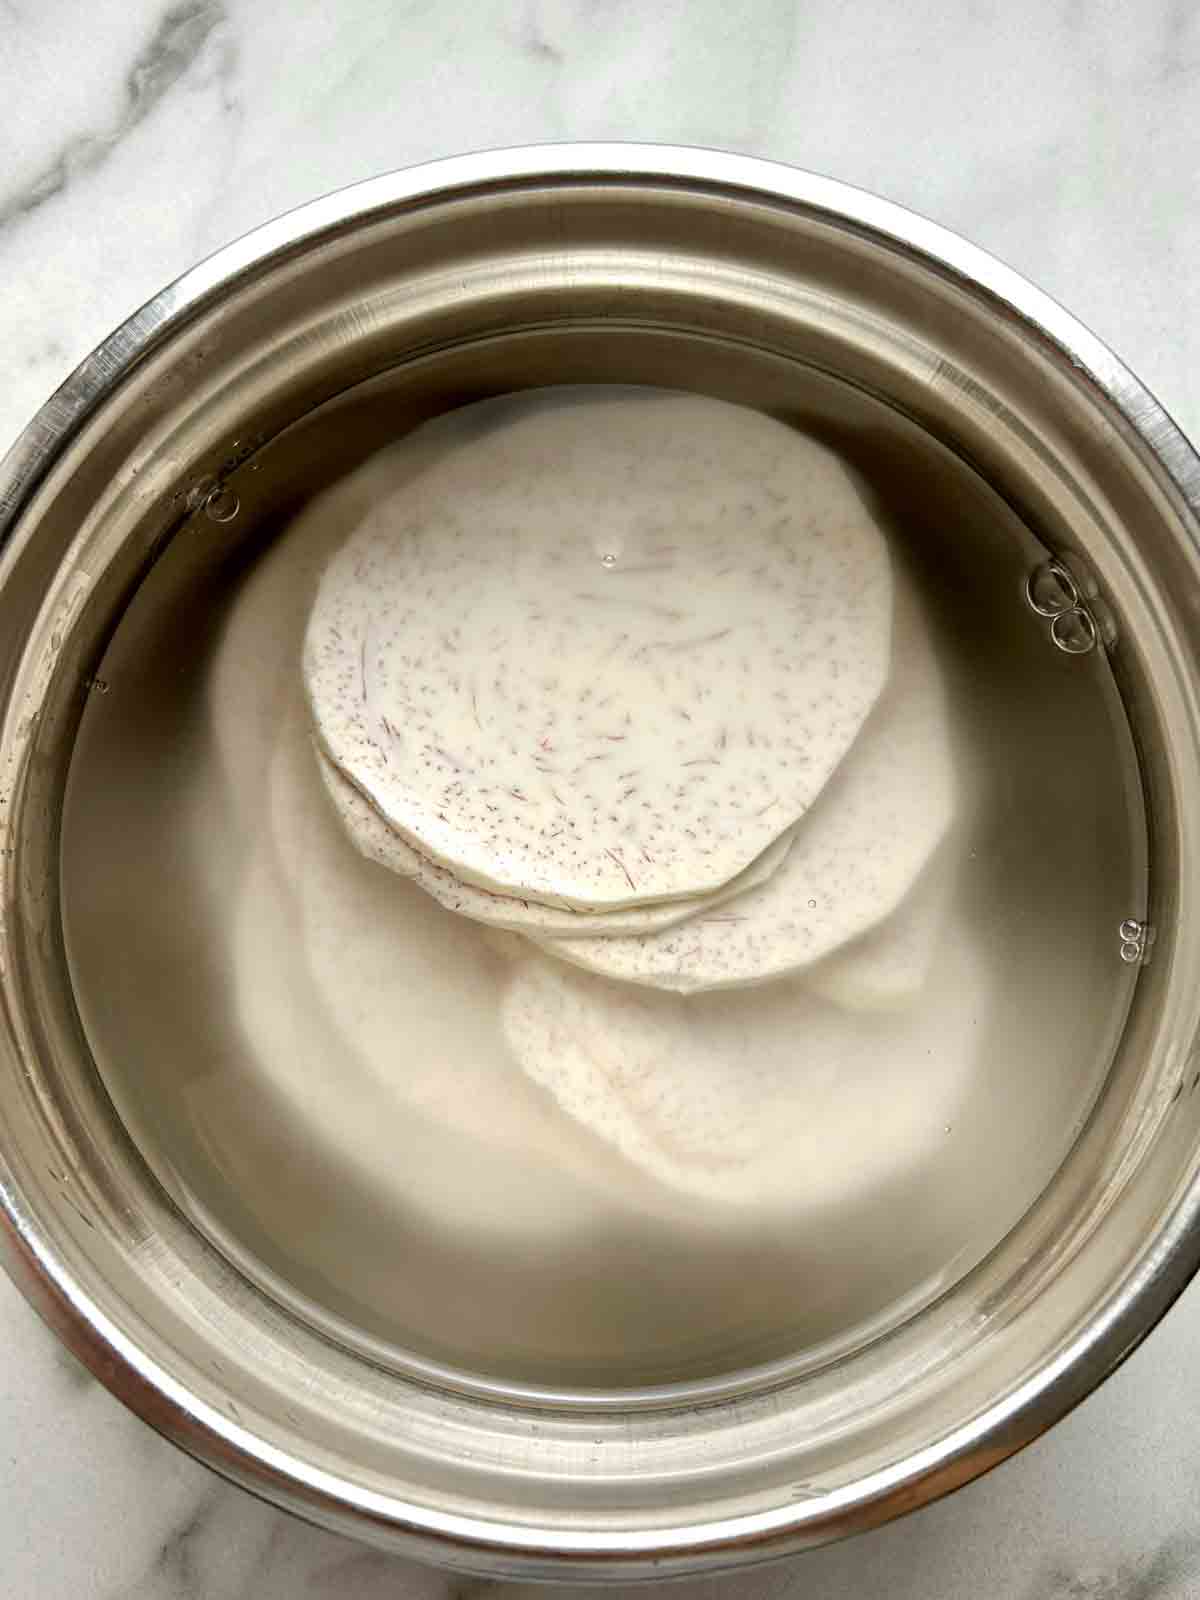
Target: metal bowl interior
[260, 375]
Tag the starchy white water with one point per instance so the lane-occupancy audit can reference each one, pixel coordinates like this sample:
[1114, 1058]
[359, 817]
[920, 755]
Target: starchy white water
[426, 1130]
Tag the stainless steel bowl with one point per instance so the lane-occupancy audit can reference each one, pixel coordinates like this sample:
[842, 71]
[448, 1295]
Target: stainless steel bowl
[248, 384]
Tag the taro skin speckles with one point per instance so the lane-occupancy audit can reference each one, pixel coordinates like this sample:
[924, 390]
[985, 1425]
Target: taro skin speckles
[379, 842]
[853, 858]
[582, 657]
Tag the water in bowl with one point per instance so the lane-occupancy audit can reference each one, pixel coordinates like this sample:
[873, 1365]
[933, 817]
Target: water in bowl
[365, 1147]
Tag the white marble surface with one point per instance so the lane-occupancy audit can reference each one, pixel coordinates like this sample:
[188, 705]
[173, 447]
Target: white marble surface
[134, 137]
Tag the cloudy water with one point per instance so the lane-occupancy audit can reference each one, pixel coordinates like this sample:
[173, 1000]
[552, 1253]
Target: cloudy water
[459, 1146]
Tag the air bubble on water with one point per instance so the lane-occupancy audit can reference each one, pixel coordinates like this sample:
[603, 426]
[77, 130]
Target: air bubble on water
[608, 545]
[222, 505]
[812, 905]
[1135, 937]
[1074, 632]
[1050, 590]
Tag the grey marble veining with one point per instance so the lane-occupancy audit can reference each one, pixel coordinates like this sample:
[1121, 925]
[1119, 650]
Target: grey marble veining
[136, 137]
[174, 46]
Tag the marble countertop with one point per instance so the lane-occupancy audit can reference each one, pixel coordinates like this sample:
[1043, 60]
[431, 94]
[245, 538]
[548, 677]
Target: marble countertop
[135, 137]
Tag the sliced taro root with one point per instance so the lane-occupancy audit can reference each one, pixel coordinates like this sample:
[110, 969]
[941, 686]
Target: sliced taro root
[853, 859]
[351, 995]
[768, 1098]
[891, 965]
[602, 651]
[379, 842]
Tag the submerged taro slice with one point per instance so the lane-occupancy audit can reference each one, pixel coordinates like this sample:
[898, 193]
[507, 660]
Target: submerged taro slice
[348, 987]
[853, 858]
[378, 842]
[603, 651]
[771, 1098]
[891, 965]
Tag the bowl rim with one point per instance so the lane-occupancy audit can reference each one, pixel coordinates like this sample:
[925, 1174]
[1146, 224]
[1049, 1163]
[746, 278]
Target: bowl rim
[1136, 1303]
